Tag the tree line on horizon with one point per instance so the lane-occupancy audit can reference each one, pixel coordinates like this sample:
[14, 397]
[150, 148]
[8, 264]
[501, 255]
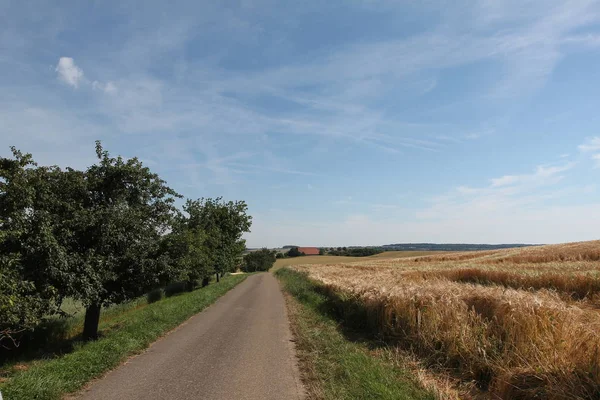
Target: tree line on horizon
[102, 236]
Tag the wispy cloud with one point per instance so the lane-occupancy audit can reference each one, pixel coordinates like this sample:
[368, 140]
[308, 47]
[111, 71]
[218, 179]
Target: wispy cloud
[592, 144]
[542, 174]
[503, 194]
[596, 158]
[215, 96]
[108, 87]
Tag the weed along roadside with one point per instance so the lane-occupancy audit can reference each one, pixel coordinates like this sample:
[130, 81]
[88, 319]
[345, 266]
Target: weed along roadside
[128, 333]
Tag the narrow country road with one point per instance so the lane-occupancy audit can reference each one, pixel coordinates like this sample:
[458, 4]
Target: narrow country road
[238, 348]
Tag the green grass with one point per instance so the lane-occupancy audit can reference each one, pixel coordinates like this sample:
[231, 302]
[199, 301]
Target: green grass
[131, 328]
[337, 363]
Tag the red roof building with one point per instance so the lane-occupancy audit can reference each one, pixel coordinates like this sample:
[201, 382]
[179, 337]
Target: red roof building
[309, 251]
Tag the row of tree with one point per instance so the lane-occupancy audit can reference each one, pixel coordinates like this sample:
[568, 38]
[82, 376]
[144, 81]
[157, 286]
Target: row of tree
[351, 251]
[102, 236]
[259, 260]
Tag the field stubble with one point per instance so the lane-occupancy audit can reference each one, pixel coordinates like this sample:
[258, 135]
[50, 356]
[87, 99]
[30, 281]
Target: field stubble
[518, 324]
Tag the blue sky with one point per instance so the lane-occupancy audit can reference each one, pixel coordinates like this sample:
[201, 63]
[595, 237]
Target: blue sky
[340, 123]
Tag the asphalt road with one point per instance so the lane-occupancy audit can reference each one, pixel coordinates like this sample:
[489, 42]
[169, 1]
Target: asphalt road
[238, 348]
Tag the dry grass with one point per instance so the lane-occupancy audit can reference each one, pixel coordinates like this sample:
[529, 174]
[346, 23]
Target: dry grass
[517, 323]
[285, 262]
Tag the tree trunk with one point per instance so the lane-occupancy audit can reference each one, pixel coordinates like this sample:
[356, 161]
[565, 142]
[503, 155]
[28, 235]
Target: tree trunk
[90, 325]
[218, 278]
[205, 281]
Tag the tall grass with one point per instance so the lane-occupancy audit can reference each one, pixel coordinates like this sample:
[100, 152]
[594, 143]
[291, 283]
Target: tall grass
[577, 286]
[515, 344]
[334, 367]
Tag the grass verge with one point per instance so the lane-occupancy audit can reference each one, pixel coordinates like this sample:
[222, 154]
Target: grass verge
[337, 364]
[129, 334]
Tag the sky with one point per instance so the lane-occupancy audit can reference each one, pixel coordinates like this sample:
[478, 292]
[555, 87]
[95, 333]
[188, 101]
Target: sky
[339, 122]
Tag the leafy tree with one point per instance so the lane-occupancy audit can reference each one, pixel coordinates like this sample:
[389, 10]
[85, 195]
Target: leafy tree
[294, 252]
[26, 241]
[21, 308]
[102, 236]
[188, 245]
[260, 260]
[118, 211]
[321, 251]
[223, 223]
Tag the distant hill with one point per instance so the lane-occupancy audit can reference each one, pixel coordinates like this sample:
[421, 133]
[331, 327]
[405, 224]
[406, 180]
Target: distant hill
[450, 246]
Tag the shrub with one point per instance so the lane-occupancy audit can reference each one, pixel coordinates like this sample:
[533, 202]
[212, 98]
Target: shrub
[175, 288]
[260, 260]
[294, 252]
[154, 296]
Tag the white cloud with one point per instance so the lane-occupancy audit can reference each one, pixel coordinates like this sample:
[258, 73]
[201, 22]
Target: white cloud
[592, 144]
[505, 180]
[203, 111]
[542, 173]
[472, 136]
[68, 72]
[505, 194]
[108, 87]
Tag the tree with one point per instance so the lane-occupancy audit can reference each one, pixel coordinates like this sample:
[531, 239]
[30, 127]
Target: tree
[26, 242]
[223, 223]
[260, 260]
[321, 251]
[119, 211]
[294, 252]
[102, 236]
[188, 245]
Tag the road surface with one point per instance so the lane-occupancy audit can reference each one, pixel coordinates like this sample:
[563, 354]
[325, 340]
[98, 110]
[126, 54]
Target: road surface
[238, 348]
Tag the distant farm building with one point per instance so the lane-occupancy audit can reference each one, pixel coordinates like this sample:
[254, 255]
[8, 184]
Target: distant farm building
[309, 251]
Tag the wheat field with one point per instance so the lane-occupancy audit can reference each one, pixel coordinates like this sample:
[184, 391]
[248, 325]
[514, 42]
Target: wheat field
[512, 324]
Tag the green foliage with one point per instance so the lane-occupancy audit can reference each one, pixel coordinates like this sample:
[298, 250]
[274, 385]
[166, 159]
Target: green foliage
[102, 236]
[223, 223]
[294, 252]
[154, 296]
[26, 241]
[260, 260]
[126, 210]
[355, 251]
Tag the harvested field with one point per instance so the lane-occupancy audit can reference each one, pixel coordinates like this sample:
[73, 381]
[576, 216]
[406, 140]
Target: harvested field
[284, 262]
[518, 323]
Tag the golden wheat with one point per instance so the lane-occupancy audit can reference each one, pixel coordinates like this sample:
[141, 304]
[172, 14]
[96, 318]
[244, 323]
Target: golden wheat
[513, 321]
